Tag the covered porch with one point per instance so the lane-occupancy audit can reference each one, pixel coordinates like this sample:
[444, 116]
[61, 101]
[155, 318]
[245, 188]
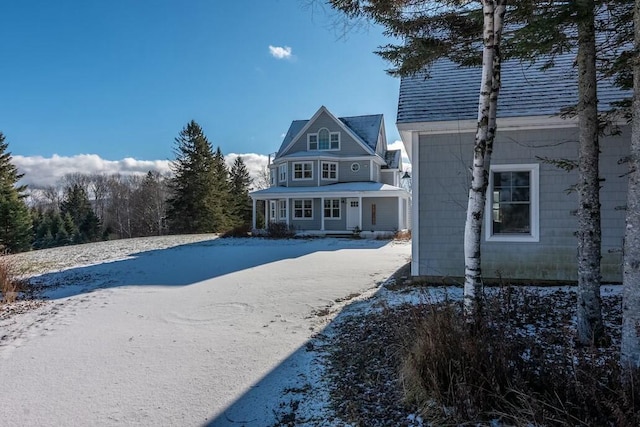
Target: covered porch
[363, 207]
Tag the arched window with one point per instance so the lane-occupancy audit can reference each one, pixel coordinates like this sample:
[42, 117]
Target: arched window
[323, 139]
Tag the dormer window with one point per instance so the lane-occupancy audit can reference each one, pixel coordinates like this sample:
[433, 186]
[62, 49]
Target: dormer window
[323, 140]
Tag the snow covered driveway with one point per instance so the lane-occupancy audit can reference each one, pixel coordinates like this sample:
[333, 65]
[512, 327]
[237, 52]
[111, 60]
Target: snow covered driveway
[179, 335]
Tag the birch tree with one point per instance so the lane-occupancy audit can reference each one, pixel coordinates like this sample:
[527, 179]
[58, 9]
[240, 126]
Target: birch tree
[630, 348]
[436, 30]
[493, 13]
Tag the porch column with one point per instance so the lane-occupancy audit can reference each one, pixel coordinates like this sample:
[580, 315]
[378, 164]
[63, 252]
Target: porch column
[253, 215]
[400, 224]
[360, 213]
[322, 213]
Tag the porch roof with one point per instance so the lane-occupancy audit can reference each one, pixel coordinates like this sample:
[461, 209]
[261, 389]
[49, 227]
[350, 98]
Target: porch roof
[343, 189]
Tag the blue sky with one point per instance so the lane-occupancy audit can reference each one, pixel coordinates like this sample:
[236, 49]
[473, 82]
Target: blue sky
[119, 79]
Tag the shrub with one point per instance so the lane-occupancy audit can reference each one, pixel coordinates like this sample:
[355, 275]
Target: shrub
[243, 230]
[517, 363]
[280, 230]
[10, 285]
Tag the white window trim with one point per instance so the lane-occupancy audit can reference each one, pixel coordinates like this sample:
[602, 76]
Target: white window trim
[280, 207]
[534, 199]
[355, 167]
[282, 173]
[329, 171]
[302, 218]
[273, 210]
[318, 140]
[339, 209]
[293, 170]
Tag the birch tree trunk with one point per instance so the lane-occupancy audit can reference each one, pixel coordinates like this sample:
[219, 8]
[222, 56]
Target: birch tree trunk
[630, 349]
[493, 12]
[589, 316]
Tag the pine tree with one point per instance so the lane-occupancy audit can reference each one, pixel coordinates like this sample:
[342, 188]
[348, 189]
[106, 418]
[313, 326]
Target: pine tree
[223, 202]
[15, 219]
[193, 205]
[77, 206]
[241, 202]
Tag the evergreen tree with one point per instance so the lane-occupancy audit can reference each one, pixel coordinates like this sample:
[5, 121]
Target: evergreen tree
[77, 206]
[223, 201]
[241, 202]
[15, 219]
[193, 206]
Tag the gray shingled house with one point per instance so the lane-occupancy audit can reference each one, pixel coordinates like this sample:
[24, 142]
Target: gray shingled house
[530, 219]
[334, 176]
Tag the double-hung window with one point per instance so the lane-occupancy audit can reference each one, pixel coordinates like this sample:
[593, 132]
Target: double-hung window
[512, 204]
[330, 171]
[303, 171]
[303, 209]
[282, 210]
[282, 173]
[272, 210]
[332, 208]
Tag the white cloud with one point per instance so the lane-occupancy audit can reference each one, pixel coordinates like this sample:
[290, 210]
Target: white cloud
[40, 172]
[280, 52]
[398, 145]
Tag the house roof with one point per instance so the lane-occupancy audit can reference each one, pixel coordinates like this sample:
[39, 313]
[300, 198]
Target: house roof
[392, 158]
[451, 93]
[364, 128]
[345, 188]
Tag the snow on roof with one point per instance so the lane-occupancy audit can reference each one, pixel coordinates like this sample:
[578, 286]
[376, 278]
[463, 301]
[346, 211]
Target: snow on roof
[343, 187]
[367, 128]
[451, 92]
[392, 158]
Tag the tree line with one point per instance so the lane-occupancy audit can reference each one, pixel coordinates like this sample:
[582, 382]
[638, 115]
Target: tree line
[200, 195]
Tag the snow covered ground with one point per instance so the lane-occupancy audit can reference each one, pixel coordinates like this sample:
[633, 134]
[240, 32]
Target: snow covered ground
[208, 332]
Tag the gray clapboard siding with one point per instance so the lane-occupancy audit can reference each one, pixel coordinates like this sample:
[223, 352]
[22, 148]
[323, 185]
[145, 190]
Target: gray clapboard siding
[443, 162]
[386, 213]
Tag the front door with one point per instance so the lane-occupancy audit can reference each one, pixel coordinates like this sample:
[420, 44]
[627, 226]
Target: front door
[353, 213]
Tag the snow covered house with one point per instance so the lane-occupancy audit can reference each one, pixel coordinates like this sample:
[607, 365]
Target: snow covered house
[530, 220]
[335, 176]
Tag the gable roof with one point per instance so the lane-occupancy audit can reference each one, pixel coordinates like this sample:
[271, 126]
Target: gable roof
[452, 91]
[364, 129]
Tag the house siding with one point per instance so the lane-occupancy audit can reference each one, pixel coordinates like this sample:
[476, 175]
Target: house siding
[386, 213]
[306, 224]
[387, 177]
[345, 174]
[348, 145]
[443, 164]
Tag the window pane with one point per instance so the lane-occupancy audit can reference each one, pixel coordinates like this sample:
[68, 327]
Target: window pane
[512, 218]
[323, 139]
[335, 141]
[511, 207]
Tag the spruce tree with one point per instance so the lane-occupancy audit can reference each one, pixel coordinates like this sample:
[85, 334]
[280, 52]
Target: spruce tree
[192, 206]
[240, 181]
[15, 219]
[77, 206]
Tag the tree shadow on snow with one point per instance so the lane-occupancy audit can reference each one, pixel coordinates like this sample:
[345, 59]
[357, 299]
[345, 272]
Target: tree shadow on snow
[186, 264]
[277, 399]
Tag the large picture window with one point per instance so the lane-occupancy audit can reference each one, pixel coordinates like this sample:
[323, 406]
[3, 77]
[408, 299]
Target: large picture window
[329, 171]
[303, 171]
[303, 209]
[512, 203]
[332, 208]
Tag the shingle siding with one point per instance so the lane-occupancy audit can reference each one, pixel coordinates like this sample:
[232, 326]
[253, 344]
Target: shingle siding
[443, 162]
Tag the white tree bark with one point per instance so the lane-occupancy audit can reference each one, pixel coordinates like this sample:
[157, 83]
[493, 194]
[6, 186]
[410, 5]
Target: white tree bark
[483, 147]
[590, 328]
[630, 349]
